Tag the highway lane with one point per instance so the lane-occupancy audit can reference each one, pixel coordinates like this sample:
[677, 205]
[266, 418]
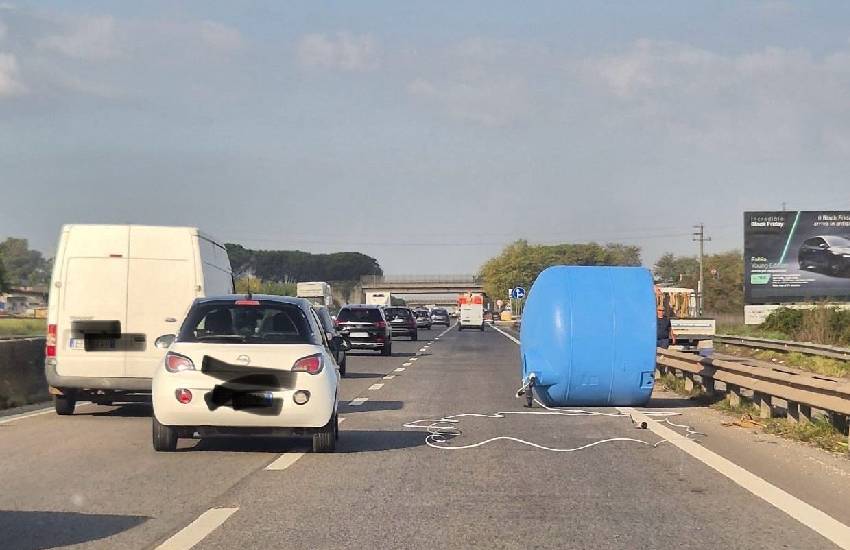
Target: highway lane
[93, 479]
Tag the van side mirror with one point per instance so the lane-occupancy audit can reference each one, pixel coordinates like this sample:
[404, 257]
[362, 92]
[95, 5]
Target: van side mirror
[165, 341]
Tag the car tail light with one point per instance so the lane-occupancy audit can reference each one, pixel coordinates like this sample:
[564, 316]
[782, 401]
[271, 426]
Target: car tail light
[183, 395]
[311, 364]
[381, 324]
[50, 347]
[247, 303]
[174, 362]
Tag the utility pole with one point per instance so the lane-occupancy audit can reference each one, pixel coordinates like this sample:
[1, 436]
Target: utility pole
[699, 236]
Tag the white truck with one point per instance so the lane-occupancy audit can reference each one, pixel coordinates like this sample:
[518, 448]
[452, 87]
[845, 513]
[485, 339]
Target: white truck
[317, 292]
[378, 298]
[114, 290]
[691, 333]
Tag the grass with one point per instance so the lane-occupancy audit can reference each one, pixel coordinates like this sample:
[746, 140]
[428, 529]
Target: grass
[811, 363]
[754, 331]
[11, 326]
[818, 433]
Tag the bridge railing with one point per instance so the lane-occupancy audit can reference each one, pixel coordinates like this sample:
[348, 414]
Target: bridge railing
[437, 279]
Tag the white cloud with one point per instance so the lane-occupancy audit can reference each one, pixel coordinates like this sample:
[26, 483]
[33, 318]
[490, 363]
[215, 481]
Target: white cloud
[483, 99]
[343, 51]
[87, 38]
[9, 83]
[220, 36]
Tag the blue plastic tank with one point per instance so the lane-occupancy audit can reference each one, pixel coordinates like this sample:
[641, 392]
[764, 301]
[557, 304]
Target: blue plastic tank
[588, 334]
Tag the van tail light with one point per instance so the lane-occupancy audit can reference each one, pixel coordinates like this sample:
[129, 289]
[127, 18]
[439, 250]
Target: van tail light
[311, 364]
[50, 347]
[174, 362]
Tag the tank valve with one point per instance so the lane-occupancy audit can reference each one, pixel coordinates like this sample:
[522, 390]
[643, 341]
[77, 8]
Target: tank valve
[526, 390]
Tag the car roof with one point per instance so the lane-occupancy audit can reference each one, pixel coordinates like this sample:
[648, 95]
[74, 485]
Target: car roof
[291, 300]
[361, 306]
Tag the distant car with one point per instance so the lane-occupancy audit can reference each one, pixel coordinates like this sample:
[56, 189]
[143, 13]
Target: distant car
[423, 318]
[440, 316]
[365, 327]
[339, 344]
[828, 254]
[488, 315]
[246, 364]
[402, 321]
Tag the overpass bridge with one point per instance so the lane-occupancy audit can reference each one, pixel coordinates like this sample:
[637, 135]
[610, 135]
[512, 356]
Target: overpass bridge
[423, 289]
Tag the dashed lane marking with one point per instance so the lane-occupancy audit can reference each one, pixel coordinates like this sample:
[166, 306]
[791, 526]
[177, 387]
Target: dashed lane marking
[389, 377]
[196, 531]
[357, 401]
[401, 369]
[284, 461]
[406, 364]
[374, 387]
[414, 359]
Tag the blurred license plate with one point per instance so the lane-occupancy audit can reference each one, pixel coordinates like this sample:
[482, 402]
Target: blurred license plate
[251, 400]
[359, 334]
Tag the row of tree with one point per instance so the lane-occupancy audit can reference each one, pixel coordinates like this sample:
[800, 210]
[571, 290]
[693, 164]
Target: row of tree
[520, 263]
[295, 265]
[20, 266]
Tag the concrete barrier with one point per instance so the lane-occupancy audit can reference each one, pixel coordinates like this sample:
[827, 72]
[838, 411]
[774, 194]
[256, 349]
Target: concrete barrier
[22, 372]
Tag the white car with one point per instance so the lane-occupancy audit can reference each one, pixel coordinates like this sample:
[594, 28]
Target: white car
[246, 364]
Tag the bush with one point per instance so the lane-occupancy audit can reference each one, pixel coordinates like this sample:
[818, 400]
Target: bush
[785, 320]
[821, 325]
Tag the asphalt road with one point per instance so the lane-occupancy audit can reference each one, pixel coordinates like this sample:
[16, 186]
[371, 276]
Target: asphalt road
[93, 480]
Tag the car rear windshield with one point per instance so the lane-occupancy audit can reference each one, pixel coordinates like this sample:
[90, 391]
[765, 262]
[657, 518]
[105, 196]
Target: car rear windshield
[422, 313]
[394, 312]
[440, 312]
[359, 315]
[227, 322]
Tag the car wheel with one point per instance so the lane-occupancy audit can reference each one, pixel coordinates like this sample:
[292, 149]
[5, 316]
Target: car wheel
[164, 437]
[387, 350]
[324, 440]
[65, 404]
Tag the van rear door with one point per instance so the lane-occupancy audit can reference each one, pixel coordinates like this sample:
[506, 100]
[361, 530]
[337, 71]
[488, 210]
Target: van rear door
[161, 285]
[92, 311]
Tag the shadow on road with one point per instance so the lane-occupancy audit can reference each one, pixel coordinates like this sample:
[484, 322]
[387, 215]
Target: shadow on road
[127, 410]
[369, 406]
[364, 441]
[36, 530]
[363, 375]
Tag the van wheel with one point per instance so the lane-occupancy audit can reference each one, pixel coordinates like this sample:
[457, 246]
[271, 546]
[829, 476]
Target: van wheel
[65, 404]
[164, 437]
[324, 440]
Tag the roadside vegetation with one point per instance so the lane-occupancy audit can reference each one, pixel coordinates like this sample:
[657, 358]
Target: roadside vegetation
[255, 285]
[11, 326]
[820, 325]
[818, 433]
[810, 363]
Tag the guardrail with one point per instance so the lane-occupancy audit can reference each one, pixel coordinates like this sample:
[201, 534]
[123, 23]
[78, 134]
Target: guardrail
[802, 392]
[833, 352]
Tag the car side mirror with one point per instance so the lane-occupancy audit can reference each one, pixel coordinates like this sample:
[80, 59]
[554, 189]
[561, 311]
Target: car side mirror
[165, 341]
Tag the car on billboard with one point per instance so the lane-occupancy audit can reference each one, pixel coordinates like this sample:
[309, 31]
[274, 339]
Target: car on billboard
[828, 254]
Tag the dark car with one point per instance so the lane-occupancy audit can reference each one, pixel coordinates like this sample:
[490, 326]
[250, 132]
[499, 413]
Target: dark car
[440, 316]
[402, 321]
[829, 254]
[338, 343]
[365, 327]
[423, 318]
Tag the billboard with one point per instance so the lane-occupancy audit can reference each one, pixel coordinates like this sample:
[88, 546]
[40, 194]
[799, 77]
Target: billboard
[796, 256]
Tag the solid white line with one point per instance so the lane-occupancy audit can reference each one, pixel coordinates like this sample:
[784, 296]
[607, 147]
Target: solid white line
[284, 461]
[39, 412]
[374, 387]
[357, 401]
[389, 377]
[505, 334]
[195, 532]
[806, 514]
[401, 369]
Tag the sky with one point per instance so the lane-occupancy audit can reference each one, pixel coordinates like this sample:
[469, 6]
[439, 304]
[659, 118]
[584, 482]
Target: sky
[426, 134]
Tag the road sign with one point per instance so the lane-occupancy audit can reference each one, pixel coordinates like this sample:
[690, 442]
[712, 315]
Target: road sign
[499, 303]
[518, 293]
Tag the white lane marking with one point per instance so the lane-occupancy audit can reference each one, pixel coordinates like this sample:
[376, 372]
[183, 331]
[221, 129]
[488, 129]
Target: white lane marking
[357, 401]
[423, 349]
[39, 412]
[414, 359]
[196, 531]
[374, 387]
[505, 334]
[284, 461]
[806, 514]
[401, 369]
[340, 419]
[406, 364]
[389, 377]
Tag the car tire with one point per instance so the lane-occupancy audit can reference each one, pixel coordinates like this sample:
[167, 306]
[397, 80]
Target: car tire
[387, 350]
[324, 439]
[343, 365]
[65, 404]
[164, 437]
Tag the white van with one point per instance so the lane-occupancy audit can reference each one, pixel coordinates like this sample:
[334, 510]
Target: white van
[471, 316]
[114, 290]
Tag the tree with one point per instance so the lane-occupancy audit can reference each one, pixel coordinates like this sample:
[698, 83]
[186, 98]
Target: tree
[24, 267]
[724, 278]
[2, 275]
[521, 263]
[296, 265]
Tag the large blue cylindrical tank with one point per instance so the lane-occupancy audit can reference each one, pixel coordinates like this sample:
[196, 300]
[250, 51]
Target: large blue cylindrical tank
[588, 334]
